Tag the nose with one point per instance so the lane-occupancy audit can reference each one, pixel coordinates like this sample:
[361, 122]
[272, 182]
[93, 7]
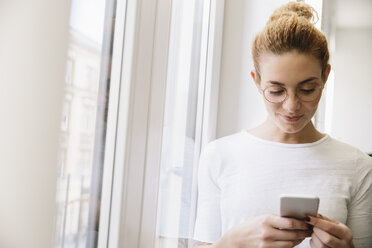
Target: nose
[292, 103]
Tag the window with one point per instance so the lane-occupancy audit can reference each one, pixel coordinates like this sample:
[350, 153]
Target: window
[83, 127]
[191, 101]
[131, 140]
[176, 192]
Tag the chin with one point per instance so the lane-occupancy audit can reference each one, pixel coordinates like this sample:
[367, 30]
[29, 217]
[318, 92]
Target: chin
[291, 129]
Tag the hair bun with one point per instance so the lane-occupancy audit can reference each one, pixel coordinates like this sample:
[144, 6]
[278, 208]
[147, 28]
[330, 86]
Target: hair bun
[295, 9]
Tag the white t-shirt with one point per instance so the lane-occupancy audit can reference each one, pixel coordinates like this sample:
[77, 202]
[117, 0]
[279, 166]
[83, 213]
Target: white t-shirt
[242, 176]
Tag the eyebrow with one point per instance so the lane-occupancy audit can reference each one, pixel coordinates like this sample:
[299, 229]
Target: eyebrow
[282, 84]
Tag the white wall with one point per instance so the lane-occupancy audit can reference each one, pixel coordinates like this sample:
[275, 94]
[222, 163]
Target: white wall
[240, 104]
[352, 115]
[32, 64]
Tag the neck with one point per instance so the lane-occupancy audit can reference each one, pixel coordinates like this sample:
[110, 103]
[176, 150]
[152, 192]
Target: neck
[271, 132]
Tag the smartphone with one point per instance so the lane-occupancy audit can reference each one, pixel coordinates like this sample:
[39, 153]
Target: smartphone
[298, 206]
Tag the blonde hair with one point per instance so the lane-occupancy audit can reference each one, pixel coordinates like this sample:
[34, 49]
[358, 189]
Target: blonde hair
[291, 28]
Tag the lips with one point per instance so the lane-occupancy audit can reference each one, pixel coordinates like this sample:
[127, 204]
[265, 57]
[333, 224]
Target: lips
[292, 118]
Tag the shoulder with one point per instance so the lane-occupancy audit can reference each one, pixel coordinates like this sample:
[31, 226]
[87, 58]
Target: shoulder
[219, 153]
[344, 150]
[362, 161]
[226, 143]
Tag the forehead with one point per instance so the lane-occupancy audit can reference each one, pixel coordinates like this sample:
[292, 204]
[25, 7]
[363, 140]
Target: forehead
[289, 68]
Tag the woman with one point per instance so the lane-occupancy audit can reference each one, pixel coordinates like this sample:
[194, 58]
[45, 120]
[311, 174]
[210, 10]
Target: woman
[241, 176]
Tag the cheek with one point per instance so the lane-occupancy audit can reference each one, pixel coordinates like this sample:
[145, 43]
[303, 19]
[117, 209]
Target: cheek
[311, 106]
[271, 107]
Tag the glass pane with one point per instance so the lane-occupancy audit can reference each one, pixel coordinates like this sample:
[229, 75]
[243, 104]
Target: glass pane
[177, 194]
[83, 127]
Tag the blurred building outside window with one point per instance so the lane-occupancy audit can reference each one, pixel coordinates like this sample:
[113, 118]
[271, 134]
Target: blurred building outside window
[84, 113]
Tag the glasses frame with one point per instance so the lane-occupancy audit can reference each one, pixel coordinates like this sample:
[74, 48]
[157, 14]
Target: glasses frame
[321, 86]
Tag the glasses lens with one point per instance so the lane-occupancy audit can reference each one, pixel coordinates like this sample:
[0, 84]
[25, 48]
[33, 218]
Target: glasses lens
[275, 94]
[309, 92]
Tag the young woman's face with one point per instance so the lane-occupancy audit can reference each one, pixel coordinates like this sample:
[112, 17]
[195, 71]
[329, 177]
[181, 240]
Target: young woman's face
[289, 84]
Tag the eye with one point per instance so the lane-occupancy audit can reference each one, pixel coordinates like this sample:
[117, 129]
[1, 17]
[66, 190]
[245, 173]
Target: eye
[308, 88]
[307, 91]
[276, 92]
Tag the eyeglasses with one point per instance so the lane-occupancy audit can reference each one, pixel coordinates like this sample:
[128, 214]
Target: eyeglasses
[307, 92]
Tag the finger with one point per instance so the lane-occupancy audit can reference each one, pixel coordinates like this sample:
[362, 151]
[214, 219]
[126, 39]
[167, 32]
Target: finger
[285, 235]
[333, 228]
[326, 218]
[315, 242]
[326, 238]
[287, 223]
[346, 232]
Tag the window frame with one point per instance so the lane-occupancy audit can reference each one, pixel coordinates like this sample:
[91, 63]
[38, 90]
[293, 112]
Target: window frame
[112, 124]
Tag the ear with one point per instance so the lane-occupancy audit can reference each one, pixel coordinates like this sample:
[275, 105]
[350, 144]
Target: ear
[257, 79]
[326, 73]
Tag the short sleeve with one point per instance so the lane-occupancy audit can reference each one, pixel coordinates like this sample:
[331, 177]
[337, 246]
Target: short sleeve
[208, 217]
[359, 218]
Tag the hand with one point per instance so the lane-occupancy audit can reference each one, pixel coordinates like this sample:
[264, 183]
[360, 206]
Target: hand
[266, 231]
[329, 233]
